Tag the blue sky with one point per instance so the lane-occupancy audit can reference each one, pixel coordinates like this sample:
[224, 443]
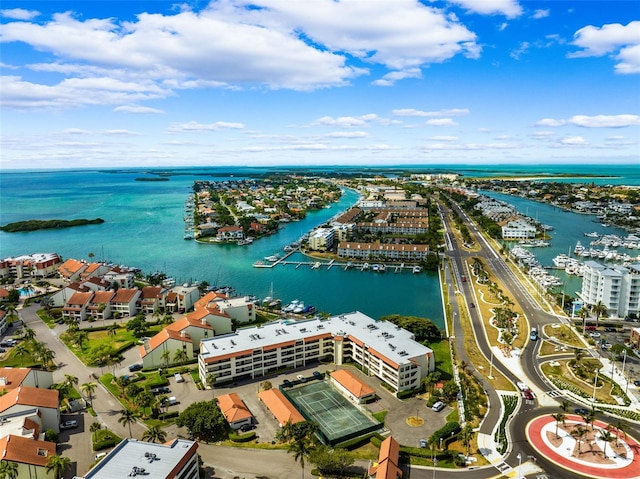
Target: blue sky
[319, 82]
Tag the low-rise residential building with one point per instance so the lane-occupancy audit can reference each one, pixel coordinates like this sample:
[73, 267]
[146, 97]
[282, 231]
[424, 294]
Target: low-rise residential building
[37, 265]
[75, 309]
[387, 466]
[31, 455]
[125, 301]
[382, 251]
[3, 321]
[151, 299]
[71, 269]
[26, 398]
[120, 277]
[381, 348]
[181, 298]
[175, 459]
[235, 410]
[230, 233]
[100, 305]
[13, 378]
[518, 229]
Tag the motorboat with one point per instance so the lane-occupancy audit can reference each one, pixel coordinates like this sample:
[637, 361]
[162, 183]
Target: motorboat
[417, 269]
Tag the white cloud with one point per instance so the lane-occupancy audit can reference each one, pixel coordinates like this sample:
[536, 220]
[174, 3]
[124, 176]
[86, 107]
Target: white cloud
[441, 122]
[508, 8]
[573, 141]
[445, 112]
[443, 138]
[542, 134]
[550, 122]
[136, 109]
[19, 14]
[522, 49]
[347, 134]
[195, 126]
[540, 13]
[605, 121]
[611, 38]
[391, 78]
[351, 121]
[231, 44]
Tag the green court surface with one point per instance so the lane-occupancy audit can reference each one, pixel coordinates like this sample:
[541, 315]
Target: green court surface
[338, 419]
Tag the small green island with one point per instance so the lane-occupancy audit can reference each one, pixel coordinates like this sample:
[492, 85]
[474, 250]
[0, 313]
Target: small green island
[143, 178]
[34, 225]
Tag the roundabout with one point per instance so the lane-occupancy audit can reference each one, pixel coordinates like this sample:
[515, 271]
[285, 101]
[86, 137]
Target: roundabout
[595, 450]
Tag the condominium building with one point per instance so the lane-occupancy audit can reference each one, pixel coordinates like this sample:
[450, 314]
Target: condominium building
[518, 229]
[381, 348]
[175, 459]
[322, 239]
[617, 287]
[382, 251]
[38, 265]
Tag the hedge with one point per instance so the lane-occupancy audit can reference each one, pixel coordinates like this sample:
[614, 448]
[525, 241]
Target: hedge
[235, 437]
[106, 443]
[446, 431]
[158, 383]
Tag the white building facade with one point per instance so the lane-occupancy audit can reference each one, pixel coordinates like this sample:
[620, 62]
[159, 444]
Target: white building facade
[617, 287]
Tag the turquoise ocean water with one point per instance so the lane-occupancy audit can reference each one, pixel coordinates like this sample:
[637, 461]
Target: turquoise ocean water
[144, 228]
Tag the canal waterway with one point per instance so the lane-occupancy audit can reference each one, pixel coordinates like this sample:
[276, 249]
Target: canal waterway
[144, 228]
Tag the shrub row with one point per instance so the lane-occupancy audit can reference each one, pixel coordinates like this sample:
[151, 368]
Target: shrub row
[235, 437]
[510, 403]
[446, 431]
[105, 444]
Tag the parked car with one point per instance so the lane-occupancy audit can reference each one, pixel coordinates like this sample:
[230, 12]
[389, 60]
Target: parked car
[528, 395]
[580, 411]
[69, 424]
[594, 334]
[609, 329]
[590, 328]
[439, 406]
[423, 443]
[522, 386]
[636, 383]
[161, 390]
[135, 367]
[246, 427]
[178, 377]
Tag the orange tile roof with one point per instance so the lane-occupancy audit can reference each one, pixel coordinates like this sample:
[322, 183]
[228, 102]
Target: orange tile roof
[25, 450]
[280, 406]
[233, 408]
[185, 322]
[29, 396]
[163, 336]
[387, 467]
[125, 295]
[14, 376]
[79, 299]
[103, 297]
[351, 383]
[151, 292]
[70, 267]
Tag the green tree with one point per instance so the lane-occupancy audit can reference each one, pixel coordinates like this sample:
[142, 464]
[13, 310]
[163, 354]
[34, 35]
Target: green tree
[331, 461]
[559, 418]
[21, 351]
[211, 380]
[621, 429]
[28, 334]
[301, 451]
[165, 356]
[465, 436]
[88, 389]
[180, 356]
[579, 432]
[606, 437]
[128, 417]
[8, 470]
[138, 325]
[154, 434]
[57, 464]
[112, 330]
[70, 380]
[94, 428]
[204, 420]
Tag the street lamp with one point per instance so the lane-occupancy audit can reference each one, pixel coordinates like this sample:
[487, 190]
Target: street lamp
[519, 456]
[595, 383]
[491, 366]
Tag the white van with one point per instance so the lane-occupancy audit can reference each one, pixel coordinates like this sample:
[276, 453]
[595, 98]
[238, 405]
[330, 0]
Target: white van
[178, 377]
[172, 401]
[100, 455]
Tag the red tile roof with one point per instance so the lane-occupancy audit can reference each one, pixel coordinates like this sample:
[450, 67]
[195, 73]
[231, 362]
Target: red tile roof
[233, 408]
[25, 450]
[125, 295]
[14, 377]
[280, 406]
[351, 383]
[29, 396]
[387, 467]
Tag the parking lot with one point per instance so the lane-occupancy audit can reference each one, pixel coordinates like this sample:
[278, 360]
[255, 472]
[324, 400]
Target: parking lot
[606, 337]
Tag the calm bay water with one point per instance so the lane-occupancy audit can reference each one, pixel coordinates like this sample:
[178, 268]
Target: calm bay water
[144, 228]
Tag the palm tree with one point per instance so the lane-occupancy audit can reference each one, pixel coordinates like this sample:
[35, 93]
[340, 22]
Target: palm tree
[112, 331]
[607, 437]
[599, 309]
[20, 351]
[211, 379]
[579, 432]
[165, 356]
[301, 450]
[8, 470]
[88, 389]
[57, 464]
[154, 434]
[47, 303]
[128, 417]
[28, 334]
[465, 436]
[180, 356]
[589, 417]
[584, 314]
[71, 380]
[47, 356]
[621, 427]
[560, 417]
[564, 406]
[94, 428]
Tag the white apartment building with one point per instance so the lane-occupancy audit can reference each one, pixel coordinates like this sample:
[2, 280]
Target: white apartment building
[518, 229]
[618, 287]
[321, 239]
[382, 349]
[175, 459]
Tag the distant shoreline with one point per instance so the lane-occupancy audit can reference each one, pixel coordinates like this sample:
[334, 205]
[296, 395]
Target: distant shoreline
[35, 225]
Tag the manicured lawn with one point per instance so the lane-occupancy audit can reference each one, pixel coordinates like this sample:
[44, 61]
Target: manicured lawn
[442, 352]
[564, 334]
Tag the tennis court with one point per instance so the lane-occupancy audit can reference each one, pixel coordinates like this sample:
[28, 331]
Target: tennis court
[338, 419]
